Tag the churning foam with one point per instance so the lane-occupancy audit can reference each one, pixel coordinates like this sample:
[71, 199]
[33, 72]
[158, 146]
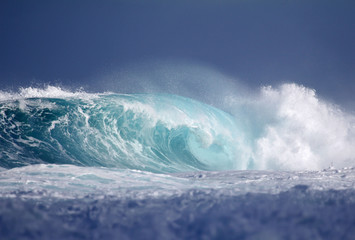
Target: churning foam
[47, 92]
[297, 130]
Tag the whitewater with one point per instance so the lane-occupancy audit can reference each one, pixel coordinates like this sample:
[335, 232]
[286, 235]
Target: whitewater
[278, 163]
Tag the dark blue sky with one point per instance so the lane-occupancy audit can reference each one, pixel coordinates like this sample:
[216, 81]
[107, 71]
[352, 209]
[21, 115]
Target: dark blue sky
[258, 42]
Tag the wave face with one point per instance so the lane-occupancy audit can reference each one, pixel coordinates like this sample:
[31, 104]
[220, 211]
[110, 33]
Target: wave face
[158, 133]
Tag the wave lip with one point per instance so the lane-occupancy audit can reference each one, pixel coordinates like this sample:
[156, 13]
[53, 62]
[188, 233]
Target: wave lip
[47, 92]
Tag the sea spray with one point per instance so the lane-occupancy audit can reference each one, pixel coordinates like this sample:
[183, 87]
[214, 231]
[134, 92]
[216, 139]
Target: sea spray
[294, 129]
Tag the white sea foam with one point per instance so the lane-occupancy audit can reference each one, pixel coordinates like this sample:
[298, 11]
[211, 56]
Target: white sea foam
[295, 129]
[68, 181]
[47, 92]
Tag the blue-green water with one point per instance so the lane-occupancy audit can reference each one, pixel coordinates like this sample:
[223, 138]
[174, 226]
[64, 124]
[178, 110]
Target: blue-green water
[77, 165]
[157, 133]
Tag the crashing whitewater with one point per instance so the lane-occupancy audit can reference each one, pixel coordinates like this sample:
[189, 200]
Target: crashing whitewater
[273, 165]
[287, 128]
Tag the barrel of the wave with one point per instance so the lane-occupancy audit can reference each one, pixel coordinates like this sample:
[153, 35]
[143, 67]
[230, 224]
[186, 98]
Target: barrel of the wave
[187, 135]
[158, 133]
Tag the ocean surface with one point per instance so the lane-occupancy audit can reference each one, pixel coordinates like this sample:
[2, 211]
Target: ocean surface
[278, 164]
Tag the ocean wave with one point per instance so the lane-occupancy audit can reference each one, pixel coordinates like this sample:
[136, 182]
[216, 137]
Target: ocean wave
[159, 133]
[283, 128]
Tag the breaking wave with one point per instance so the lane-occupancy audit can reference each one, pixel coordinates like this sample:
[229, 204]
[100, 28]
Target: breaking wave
[286, 128]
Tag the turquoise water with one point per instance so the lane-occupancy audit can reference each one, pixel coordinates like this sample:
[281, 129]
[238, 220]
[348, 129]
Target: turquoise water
[278, 164]
[157, 133]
